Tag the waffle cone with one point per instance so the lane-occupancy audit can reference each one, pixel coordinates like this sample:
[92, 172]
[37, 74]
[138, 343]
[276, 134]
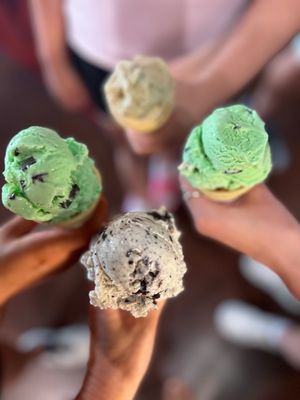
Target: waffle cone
[224, 196]
[144, 125]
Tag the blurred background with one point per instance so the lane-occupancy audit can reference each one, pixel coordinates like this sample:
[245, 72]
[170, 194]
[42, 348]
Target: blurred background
[189, 348]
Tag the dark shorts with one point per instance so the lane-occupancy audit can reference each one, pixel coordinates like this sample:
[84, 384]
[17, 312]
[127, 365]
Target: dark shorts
[93, 78]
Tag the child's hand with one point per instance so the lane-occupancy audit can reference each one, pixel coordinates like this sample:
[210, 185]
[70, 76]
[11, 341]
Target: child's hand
[120, 352]
[169, 137]
[256, 224]
[26, 256]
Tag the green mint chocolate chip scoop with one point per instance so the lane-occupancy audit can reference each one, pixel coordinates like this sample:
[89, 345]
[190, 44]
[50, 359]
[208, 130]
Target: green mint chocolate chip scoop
[228, 151]
[48, 178]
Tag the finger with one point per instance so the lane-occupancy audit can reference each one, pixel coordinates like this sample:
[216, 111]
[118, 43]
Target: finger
[258, 192]
[184, 184]
[192, 197]
[32, 257]
[146, 143]
[141, 146]
[206, 214]
[95, 222]
[36, 256]
[41, 244]
[197, 203]
[17, 227]
[62, 238]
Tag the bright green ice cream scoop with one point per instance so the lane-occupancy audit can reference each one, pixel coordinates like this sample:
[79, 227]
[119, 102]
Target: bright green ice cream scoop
[48, 178]
[228, 151]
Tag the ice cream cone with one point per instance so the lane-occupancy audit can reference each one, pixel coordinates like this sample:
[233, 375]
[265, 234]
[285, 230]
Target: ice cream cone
[144, 125]
[227, 154]
[140, 93]
[224, 196]
[78, 220]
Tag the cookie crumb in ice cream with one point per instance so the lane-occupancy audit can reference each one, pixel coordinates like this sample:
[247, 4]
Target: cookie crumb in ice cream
[136, 261]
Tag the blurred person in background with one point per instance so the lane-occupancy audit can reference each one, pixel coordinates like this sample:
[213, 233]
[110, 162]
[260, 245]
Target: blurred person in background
[213, 51]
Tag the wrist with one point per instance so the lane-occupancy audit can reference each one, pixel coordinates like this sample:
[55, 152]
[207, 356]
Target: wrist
[286, 257]
[105, 381]
[53, 58]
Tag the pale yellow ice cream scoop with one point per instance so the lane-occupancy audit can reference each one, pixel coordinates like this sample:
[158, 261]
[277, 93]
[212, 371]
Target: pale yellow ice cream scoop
[140, 93]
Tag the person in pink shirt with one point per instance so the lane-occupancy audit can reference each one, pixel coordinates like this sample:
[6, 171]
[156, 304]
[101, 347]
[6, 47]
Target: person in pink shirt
[213, 48]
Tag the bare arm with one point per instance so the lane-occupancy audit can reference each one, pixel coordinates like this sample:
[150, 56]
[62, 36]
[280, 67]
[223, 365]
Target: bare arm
[214, 74]
[48, 29]
[264, 29]
[120, 352]
[26, 257]
[257, 224]
[60, 76]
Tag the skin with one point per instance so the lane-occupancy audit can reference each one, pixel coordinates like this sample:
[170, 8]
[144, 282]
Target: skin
[168, 139]
[256, 224]
[61, 78]
[120, 353]
[66, 87]
[279, 86]
[121, 345]
[207, 79]
[27, 256]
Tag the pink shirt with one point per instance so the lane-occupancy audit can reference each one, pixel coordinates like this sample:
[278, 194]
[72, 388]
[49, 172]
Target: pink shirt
[105, 31]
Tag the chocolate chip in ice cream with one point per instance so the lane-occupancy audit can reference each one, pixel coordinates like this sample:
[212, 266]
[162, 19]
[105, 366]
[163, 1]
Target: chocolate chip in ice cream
[74, 192]
[28, 162]
[66, 204]
[143, 262]
[39, 177]
[23, 184]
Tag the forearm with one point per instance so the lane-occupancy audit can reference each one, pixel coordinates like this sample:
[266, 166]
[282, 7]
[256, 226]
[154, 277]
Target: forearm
[48, 29]
[105, 387]
[190, 65]
[16, 277]
[265, 28]
[14, 280]
[286, 259]
[104, 382]
[120, 353]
